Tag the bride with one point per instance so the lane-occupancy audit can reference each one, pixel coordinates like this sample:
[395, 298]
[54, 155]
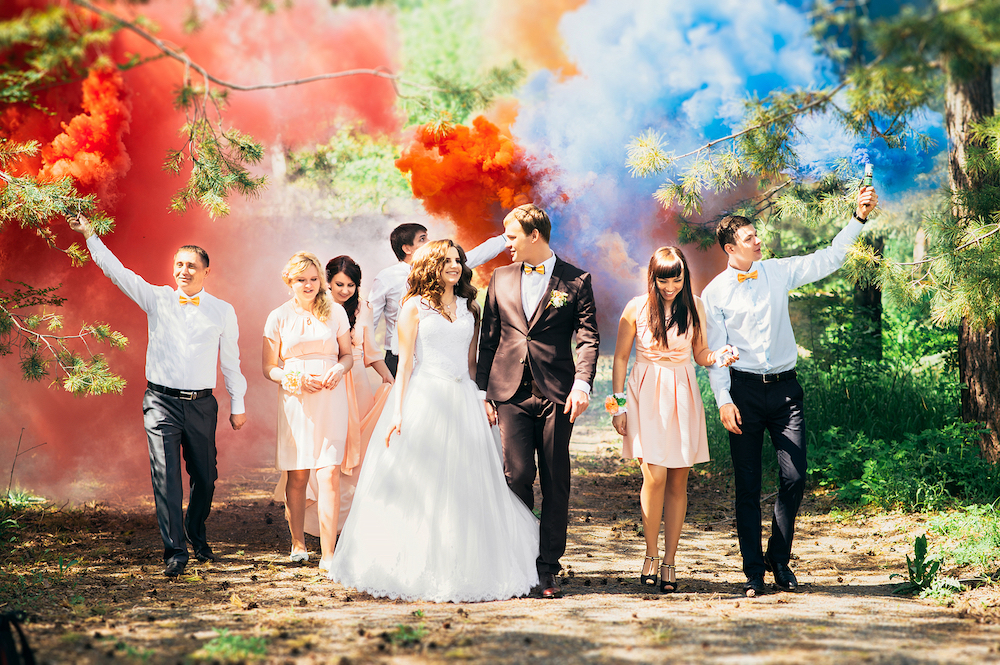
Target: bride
[433, 518]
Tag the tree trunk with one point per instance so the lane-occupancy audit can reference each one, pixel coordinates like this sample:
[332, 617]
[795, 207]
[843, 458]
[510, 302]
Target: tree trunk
[968, 100]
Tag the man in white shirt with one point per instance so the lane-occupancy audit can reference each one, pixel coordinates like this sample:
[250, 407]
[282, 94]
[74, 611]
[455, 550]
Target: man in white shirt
[189, 332]
[389, 286]
[747, 306]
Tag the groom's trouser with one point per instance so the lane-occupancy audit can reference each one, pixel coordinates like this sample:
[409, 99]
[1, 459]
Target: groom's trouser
[530, 424]
[776, 407]
[176, 427]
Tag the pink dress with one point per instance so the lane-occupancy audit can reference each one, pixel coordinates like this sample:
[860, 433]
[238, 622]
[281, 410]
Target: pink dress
[312, 427]
[665, 423]
[369, 406]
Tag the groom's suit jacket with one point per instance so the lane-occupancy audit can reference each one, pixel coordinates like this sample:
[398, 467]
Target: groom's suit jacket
[508, 340]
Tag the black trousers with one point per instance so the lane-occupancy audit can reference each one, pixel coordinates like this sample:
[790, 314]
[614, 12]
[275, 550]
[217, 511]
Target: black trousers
[777, 408]
[532, 425]
[392, 362]
[176, 427]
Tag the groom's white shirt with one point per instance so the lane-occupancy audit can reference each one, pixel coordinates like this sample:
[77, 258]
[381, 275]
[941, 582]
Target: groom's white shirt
[533, 288]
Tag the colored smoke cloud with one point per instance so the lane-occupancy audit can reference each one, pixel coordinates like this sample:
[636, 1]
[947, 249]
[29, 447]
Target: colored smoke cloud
[95, 447]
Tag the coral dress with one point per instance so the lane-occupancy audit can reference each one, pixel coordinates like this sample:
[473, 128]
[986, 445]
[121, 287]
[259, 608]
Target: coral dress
[433, 518]
[312, 427]
[369, 407]
[665, 423]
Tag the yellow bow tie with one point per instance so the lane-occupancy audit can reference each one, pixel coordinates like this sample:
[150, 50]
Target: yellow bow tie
[742, 277]
[193, 301]
[540, 269]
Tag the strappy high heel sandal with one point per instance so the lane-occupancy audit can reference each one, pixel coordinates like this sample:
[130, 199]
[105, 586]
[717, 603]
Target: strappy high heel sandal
[668, 578]
[648, 580]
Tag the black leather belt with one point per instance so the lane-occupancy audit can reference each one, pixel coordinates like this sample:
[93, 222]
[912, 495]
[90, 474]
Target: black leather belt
[187, 395]
[762, 378]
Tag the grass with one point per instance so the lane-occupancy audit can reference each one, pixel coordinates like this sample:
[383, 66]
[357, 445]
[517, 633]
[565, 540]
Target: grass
[971, 536]
[227, 647]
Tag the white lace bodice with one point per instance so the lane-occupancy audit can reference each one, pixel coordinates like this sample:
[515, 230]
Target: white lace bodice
[442, 346]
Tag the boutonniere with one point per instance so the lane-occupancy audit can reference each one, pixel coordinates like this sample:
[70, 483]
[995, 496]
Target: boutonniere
[558, 299]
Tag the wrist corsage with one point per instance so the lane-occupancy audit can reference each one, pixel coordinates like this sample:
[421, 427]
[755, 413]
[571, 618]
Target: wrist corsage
[291, 382]
[615, 404]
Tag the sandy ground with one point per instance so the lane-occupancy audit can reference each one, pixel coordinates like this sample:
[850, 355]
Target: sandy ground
[90, 580]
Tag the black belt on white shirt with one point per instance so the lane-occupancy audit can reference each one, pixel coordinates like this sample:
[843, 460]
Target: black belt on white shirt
[762, 378]
[187, 395]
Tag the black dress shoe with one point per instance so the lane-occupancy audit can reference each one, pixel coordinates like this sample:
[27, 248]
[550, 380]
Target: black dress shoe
[174, 568]
[754, 586]
[550, 588]
[205, 556]
[784, 578]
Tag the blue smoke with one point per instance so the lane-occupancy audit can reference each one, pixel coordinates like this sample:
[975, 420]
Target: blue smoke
[685, 70]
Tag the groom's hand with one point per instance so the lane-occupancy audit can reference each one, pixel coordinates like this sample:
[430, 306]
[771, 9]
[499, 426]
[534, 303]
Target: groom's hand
[491, 412]
[731, 418]
[576, 403]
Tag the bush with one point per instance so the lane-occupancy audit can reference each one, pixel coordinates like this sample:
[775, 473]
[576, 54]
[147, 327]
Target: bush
[925, 471]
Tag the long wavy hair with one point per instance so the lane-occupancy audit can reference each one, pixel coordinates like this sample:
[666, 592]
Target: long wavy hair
[349, 267]
[670, 262]
[425, 276]
[298, 264]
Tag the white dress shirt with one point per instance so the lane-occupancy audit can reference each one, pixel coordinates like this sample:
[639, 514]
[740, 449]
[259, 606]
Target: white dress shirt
[753, 315]
[389, 287]
[186, 342]
[533, 288]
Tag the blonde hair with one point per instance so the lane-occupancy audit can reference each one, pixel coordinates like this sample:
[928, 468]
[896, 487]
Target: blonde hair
[298, 264]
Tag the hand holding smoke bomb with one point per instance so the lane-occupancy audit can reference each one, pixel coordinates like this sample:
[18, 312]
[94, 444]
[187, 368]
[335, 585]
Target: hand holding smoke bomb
[867, 198]
[866, 181]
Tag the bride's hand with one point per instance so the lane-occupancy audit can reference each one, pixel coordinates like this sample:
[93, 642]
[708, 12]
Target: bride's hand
[395, 426]
[333, 376]
[491, 412]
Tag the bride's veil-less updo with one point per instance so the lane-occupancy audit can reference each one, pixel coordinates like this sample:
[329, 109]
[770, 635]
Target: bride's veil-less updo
[425, 276]
[298, 264]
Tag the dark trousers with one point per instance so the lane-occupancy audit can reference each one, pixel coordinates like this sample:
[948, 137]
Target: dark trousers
[392, 362]
[530, 424]
[176, 427]
[776, 407]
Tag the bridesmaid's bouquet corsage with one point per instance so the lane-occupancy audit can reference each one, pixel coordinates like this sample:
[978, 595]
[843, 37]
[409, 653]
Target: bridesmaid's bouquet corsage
[558, 299]
[615, 404]
[292, 381]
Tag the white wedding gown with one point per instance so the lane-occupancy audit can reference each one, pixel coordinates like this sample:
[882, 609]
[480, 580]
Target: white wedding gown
[433, 518]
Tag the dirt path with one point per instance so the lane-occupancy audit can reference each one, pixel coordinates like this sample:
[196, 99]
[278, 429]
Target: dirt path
[113, 605]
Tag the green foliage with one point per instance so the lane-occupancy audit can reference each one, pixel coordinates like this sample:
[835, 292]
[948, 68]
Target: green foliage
[355, 169]
[442, 45]
[406, 636]
[922, 573]
[227, 647]
[28, 326]
[972, 536]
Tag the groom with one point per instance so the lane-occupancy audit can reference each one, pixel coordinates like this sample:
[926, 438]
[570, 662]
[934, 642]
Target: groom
[533, 307]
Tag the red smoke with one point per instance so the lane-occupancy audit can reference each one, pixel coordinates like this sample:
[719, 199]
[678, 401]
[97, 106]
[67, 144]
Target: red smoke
[471, 175]
[96, 442]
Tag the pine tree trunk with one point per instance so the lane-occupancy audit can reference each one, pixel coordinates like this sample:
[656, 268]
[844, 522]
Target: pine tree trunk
[968, 100]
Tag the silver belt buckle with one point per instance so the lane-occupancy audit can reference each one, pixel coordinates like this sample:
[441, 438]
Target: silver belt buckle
[189, 395]
[770, 378]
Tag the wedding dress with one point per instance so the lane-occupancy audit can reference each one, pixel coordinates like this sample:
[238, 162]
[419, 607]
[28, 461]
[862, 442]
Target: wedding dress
[433, 518]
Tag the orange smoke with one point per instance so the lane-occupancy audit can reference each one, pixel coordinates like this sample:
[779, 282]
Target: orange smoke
[471, 175]
[90, 148]
[529, 31]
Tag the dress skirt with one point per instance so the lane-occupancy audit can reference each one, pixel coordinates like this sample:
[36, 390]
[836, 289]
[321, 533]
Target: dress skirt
[433, 518]
[665, 422]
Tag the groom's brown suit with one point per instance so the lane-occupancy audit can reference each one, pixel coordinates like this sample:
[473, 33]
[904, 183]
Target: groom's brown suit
[527, 369]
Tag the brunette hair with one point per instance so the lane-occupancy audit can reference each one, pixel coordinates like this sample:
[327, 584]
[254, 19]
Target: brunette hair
[298, 264]
[202, 254]
[670, 262]
[404, 234]
[349, 267]
[532, 218]
[425, 276]
[725, 232]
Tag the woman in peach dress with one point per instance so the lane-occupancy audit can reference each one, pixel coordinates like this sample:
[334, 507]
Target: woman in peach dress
[344, 276]
[661, 415]
[307, 351]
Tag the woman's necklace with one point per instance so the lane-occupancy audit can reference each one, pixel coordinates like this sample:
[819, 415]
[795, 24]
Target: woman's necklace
[448, 309]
